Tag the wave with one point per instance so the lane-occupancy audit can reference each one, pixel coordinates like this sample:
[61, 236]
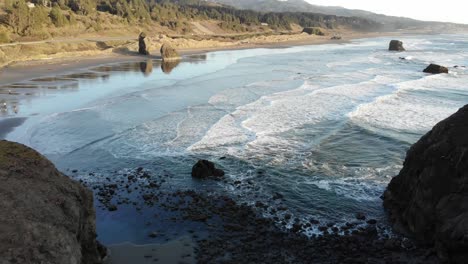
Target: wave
[265, 126]
[415, 106]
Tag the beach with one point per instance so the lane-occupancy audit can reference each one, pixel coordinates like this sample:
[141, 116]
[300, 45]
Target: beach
[38, 65]
[308, 136]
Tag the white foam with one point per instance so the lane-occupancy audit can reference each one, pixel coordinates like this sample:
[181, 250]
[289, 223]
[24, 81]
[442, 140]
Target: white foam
[256, 129]
[362, 184]
[406, 110]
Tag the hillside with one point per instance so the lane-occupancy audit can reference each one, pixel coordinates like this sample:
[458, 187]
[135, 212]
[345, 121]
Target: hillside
[22, 20]
[389, 22]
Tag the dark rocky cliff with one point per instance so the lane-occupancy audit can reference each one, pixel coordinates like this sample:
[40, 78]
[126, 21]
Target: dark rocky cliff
[45, 217]
[429, 198]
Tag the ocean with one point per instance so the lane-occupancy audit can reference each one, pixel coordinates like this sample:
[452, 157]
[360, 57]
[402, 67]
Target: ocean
[325, 126]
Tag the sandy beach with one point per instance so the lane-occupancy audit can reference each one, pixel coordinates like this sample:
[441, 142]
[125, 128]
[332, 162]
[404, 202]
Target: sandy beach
[62, 63]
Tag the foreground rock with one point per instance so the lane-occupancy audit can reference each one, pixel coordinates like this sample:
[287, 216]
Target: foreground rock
[205, 169]
[435, 69]
[429, 198]
[396, 45]
[168, 53]
[142, 44]
[44, 216]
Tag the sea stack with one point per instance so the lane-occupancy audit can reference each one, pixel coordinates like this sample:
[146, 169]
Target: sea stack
[45, 217]
[436, 69]
[142, 44]
[396, 45]
[428, 200]
[168, 53]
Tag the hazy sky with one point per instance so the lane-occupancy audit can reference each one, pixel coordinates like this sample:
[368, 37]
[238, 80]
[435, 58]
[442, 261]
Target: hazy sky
[447, 10]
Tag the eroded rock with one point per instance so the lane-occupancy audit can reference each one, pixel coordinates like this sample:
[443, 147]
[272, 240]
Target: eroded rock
[142, 44]
[429, 198]
[206, 169]
[436, 69]
[45, 217]
[168, 53]
[396, 45]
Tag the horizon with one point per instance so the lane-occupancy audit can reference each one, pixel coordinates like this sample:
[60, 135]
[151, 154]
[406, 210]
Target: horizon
[451, 11]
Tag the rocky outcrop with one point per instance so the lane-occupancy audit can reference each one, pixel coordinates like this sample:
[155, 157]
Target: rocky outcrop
[168, 53]
[429, 198]
[436, 69]
[44, 216]
[206, 169]
[313, 31]
[142, 44]
[396, 45]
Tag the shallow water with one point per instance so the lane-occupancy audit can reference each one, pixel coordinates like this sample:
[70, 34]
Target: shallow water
[327, 126]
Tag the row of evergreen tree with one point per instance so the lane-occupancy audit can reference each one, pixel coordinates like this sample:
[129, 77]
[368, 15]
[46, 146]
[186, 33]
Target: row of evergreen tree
[23, 20]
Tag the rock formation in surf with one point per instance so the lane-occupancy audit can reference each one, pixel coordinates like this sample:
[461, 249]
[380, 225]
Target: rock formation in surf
[142, 44]
[168, 53]
[205, 169]
[428, 200]
[436, 69]
[396, 45]
[45, 217]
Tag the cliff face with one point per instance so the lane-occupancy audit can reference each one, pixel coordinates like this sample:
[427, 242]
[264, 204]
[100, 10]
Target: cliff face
[429, 198]
[44, 216]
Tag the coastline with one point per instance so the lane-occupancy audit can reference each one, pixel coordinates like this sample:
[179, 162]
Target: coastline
[70, 62]
[237, 232]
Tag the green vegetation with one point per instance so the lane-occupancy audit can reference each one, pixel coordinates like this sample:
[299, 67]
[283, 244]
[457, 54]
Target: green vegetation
[313, 31]
[57, 17]
[38, 18]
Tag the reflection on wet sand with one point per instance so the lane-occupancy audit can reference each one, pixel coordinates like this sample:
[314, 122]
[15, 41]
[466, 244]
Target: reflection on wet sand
[168, 66]
[146, 67]
[8, 108]
[12, 96]
[7, 125]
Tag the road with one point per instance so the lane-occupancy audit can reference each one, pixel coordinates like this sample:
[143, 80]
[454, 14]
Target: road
[68, 40]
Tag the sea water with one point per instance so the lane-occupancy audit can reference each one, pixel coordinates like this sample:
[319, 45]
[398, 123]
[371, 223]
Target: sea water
[326, 126]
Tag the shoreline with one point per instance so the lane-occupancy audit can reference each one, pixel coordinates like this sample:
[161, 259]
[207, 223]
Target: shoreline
[26, 70]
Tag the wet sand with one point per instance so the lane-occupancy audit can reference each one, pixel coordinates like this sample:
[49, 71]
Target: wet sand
[27, 70]
[9, 124]
[174, 252]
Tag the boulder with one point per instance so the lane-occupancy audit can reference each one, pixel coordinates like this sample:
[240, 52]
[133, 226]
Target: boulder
[428, 200]
[142, 44]
[396, 45]
[435, 69]
[168, 53]
[206, 169]
[45, 217]
[313, 31]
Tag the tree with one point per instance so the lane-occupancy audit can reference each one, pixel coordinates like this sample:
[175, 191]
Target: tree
[17, 16]
[57, 16]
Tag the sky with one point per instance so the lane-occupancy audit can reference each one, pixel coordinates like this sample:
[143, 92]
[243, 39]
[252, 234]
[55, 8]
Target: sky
[447, 10]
